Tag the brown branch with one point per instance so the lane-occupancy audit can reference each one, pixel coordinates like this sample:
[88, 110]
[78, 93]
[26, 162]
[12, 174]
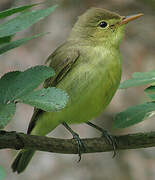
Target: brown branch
[14, 140]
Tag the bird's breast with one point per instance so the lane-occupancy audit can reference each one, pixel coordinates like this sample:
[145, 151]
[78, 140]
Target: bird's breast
[92, 82]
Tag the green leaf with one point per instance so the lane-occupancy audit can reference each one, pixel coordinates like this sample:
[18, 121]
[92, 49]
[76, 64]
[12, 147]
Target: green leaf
[152, 96]
[134, 115]
[5, 81]
[138, 79]
[23, 21]
[150, 91]
[7, 112]
[144, 74]
[24, 82]
[5, 39]
[11, 11]
[50, 99]
[2, 173]
[11, 45]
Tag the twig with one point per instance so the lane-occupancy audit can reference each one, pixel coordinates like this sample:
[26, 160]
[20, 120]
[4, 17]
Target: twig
[14, 140]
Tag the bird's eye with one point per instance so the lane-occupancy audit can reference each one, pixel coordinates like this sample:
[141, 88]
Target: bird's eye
[103, 24]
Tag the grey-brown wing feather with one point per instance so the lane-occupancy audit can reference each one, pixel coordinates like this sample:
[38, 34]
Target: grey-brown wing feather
[61, 61]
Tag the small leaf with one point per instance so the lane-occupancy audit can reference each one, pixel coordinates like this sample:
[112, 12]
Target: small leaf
[6, 113]
[5, 81]
[24, 82]
[23, 21]
[150, 91]
[139, 79]
[50, 99]
[134, 115]
[144, 74]
[11, 11]
[8, 46]
[5, 39]
[2, 173]
[152, 96]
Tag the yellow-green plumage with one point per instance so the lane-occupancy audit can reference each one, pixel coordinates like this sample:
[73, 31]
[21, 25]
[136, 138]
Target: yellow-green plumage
[90, 88]
[88, 68]
[95, 75]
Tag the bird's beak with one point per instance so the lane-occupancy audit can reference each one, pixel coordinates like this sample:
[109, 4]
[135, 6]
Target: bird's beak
[127, 19]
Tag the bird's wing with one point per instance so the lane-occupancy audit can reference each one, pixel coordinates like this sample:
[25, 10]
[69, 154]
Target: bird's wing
[61, 60]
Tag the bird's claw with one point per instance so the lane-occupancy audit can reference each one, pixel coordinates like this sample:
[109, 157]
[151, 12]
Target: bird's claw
[81, 146]
[111, 140]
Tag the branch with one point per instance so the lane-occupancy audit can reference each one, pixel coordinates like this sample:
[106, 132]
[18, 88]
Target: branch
[14, 140]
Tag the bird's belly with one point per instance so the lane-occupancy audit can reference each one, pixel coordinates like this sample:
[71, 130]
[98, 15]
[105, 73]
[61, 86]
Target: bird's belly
[90, 94]
[90, 90]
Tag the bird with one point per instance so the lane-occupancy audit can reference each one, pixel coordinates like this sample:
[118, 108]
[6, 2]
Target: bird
[88, 66]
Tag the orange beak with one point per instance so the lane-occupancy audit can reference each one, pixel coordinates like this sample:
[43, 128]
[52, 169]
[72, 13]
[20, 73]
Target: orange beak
[127, 19]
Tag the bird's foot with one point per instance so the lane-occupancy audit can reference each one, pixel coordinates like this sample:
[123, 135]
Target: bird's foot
[80, 144]
[81, 147]
[111, 140]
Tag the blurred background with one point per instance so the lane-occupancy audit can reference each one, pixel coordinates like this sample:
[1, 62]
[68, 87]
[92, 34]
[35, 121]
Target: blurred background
[138, 51]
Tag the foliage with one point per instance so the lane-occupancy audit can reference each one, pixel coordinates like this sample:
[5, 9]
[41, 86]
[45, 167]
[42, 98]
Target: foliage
[50, 99]
[11, 45]
[22, 21]
[138, 113]
[6, 113]
[17, 86]
[23, 82]
[139, 78]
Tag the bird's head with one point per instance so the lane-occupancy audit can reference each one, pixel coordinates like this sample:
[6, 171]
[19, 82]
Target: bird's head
[99, 26]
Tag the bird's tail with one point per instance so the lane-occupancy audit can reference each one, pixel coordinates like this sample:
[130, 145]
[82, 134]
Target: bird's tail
[21, 161]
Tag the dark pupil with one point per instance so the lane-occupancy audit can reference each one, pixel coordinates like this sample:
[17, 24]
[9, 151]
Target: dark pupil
[103, 24]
